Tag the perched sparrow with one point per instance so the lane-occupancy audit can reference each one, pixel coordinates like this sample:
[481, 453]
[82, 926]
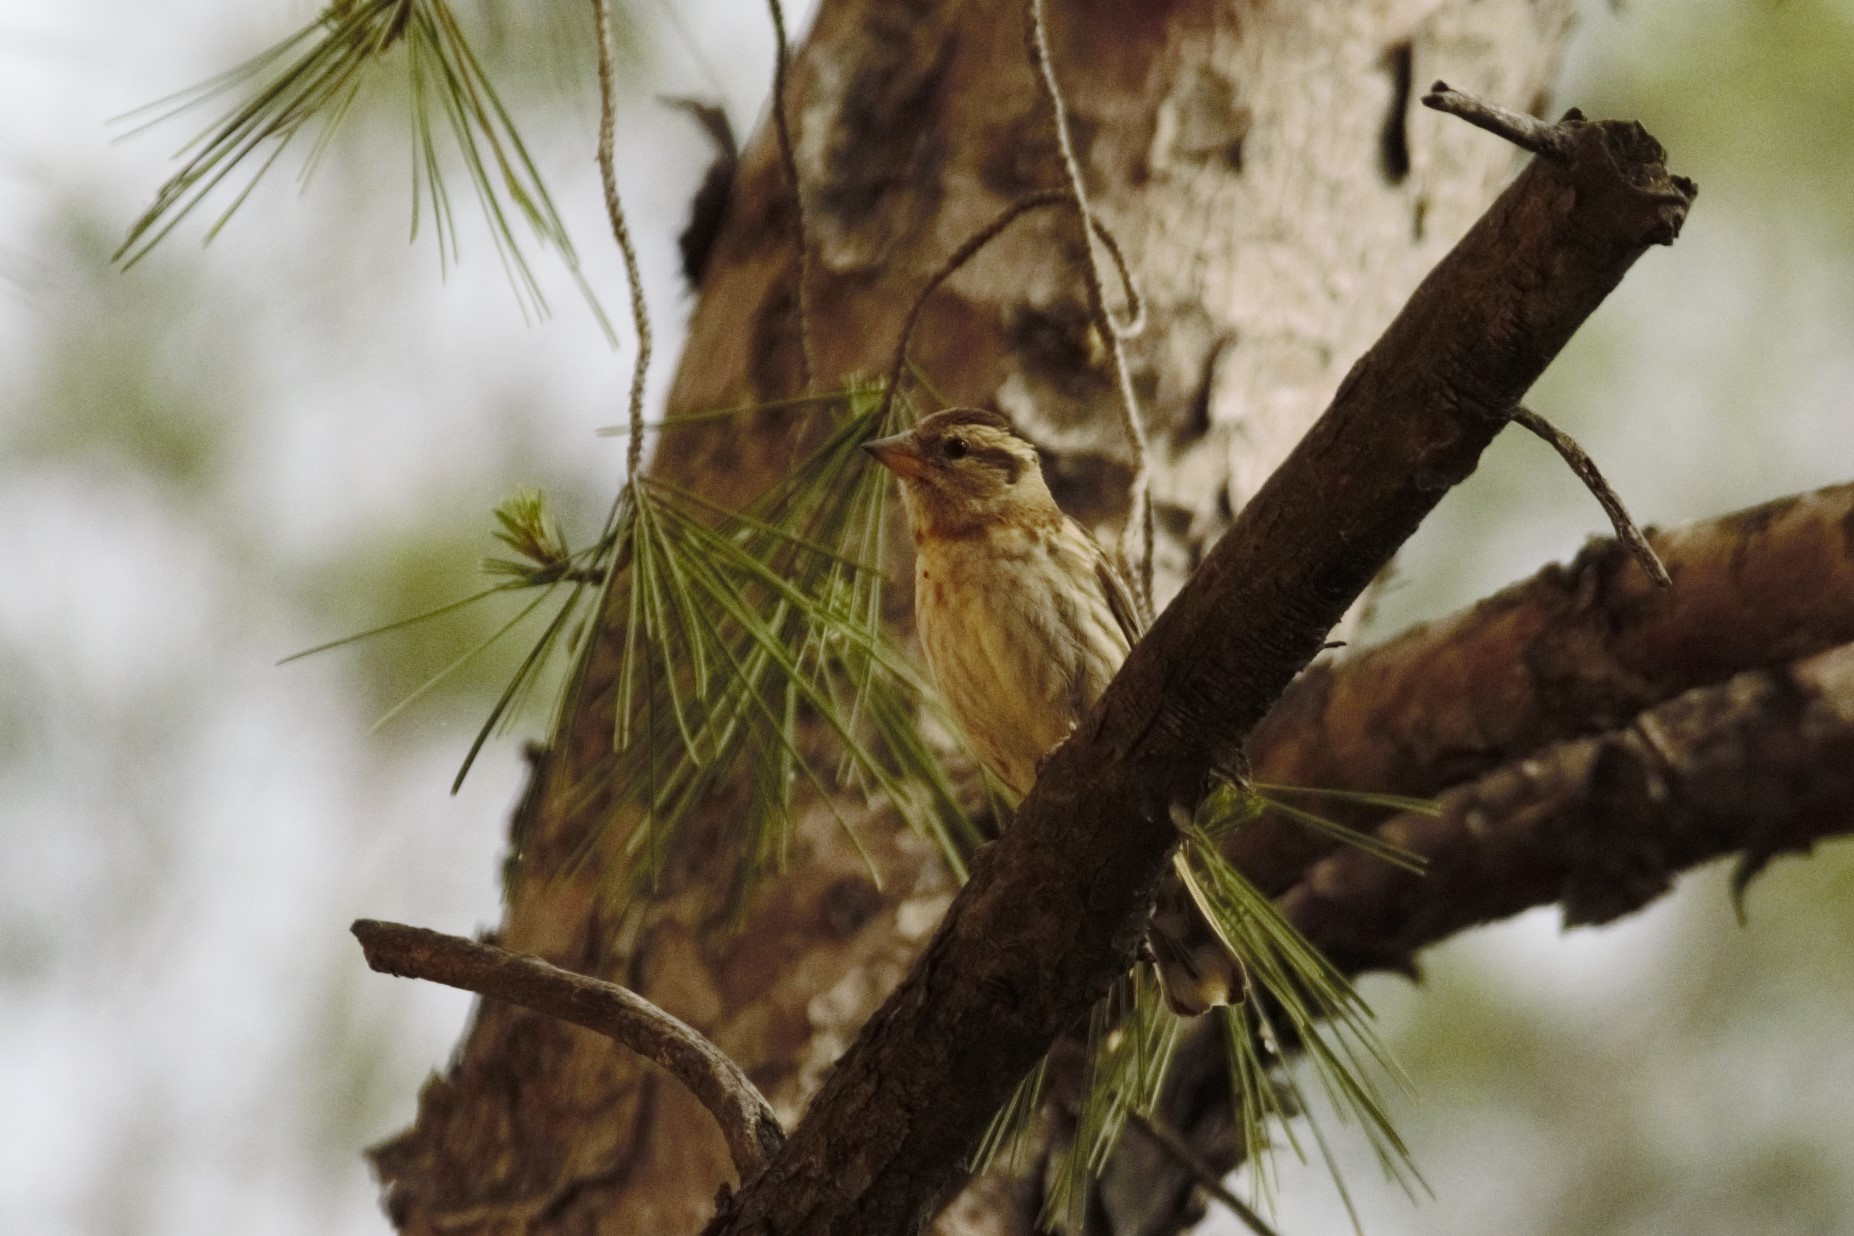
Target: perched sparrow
[1024, 622]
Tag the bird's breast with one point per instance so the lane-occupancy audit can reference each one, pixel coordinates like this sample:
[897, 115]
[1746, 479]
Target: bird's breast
[1020, 640]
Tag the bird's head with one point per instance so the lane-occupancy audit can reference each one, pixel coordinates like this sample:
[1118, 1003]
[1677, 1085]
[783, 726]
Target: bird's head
[964, 471]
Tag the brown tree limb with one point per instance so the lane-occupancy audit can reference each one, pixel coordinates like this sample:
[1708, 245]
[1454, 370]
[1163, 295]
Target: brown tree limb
[1759, 765]
[1576, 649]
[745, 1118]
[884, 1138]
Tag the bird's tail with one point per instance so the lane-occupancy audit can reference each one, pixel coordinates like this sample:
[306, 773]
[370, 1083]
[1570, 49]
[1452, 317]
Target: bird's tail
[1197, 971]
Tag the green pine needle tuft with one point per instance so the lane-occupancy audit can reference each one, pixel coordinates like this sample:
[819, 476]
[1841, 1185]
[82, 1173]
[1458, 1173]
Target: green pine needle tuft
[1131, 1037]
[304, 87]
[1267, 797]
[1299, 1007]
[530, 530]
[1299, 1017]
[739, 630]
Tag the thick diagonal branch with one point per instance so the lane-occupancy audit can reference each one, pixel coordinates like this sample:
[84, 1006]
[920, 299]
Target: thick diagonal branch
[1056, 910]
[745, 1117]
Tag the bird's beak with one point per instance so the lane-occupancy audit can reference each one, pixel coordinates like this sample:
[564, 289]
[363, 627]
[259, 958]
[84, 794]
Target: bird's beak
[898, 454]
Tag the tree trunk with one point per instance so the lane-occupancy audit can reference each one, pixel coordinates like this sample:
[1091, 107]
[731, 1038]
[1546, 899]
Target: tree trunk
[1277, 197]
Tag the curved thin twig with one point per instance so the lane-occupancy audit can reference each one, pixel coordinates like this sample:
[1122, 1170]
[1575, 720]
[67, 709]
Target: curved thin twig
[1586, 470]
[968, 249]
[608, 175]
[746, 1119]
[1138, 537]
[1136, 307]
[959, 257]
[788, 154]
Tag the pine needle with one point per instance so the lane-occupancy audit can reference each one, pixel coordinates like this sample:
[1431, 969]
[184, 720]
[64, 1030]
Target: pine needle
[310, 81]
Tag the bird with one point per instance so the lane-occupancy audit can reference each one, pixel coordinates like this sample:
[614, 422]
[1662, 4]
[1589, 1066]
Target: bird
[1024, 620]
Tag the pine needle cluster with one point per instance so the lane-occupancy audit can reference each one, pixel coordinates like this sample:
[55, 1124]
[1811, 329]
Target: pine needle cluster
[1298, 1016]
[743, 632]
[306, 85]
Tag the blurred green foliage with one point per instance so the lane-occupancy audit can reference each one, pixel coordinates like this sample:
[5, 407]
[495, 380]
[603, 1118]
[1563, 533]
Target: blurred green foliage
[162, 403]
[1753, 98]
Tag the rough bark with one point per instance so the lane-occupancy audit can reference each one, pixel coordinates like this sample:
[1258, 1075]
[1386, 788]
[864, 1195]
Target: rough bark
[1577, 649]
[1278, 199]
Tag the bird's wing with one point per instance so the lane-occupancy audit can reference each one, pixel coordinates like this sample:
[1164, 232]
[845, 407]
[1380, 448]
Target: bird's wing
[1119, 596]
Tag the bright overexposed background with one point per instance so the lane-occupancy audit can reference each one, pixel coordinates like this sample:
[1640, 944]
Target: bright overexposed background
[226, 455]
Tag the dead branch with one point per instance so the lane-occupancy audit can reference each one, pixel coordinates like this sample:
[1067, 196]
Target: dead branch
[745, 1117]
[1759, 765]
[1529, 133]
[1575, 650]
[883, 1139]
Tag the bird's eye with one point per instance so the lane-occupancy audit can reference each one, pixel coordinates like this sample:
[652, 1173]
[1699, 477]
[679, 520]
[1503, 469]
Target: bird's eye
[956, 448]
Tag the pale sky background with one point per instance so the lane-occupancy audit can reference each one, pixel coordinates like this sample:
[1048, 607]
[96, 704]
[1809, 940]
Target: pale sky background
[231, 453]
